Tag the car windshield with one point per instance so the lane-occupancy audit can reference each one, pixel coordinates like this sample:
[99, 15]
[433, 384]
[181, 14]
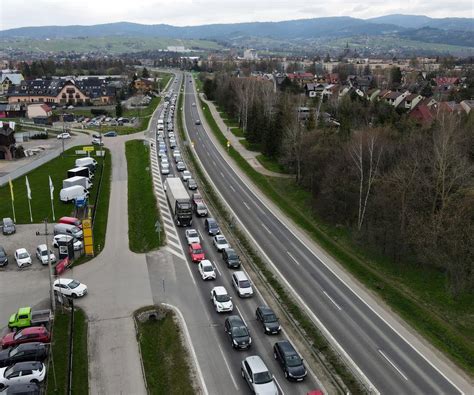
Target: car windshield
[201, 206]
[23, 255]
[74, 284]
[2, 253]
[270, 318]
[44, 253]
[262, 377]
[18, 335]
[208, 268]
[8, 372]
[197, 251]
[221, 241]
[222, 298]
[293, 360]
[13, 352]
[7, 222]
[244, 284]
[240, 331]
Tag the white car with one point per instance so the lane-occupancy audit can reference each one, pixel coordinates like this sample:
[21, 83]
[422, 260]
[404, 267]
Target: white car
[64, 135]
[22, 258]
[69, 287]
[176, 152]
[165, 168]
[221, 300]
[22, 373]
[220, 243]
[164, 159]
[42, 254]
[77, 243]
[186, 175]
[192, 236]
[97, 141]
[207, 270]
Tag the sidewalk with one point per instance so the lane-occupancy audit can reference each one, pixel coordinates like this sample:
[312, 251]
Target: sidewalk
[249, 156]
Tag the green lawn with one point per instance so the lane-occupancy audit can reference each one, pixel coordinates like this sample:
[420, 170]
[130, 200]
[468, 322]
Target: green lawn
[418, 295]
[165, 359]
[142, 206]
[59, 350]
[270, 164]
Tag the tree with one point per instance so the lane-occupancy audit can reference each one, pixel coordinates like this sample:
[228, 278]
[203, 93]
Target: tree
[145, 73]
[395, 76]
[118, 109]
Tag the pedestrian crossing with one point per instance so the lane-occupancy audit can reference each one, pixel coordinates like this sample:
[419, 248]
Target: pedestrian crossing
[172, 239]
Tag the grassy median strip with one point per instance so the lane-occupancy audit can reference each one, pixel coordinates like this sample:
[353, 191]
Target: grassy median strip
[143, 211]
[57, 380]
[412, 306]
[165, 359]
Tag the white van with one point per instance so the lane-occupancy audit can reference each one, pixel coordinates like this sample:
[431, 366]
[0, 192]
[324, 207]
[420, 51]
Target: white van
[77, 180]
[66, 229]
[86, 162]
[72, 193]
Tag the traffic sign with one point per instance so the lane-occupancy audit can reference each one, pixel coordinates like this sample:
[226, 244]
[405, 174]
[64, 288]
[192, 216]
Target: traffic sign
[88, 149]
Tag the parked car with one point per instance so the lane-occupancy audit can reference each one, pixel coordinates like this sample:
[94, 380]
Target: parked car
[207, 270]
[71, 221]
[258, 377]
[8, 226]
[289, 360]
[192, 236]
[23, 353]
[180, 166]
[112, 133]
[21, 389]
[231, 258]
[77, 243]
[3, 257]
[26, 335]
[221, 300]
[238, 332]
[22, 258]
[211, 226]
[69, 287]
[26, 317]
[220, 243]
[22, 373]
[42, 254]
[269, 320]
[70, 230]
[242, 284]
[192, 185]
[196, 252]
[63, 136]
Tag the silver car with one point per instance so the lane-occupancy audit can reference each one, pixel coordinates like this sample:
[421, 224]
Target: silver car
[258, 377]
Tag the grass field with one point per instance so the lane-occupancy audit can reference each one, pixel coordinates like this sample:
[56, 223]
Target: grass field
[59, 350]
[165, 359]
[270, 164]
[418, 295]
[142, 206]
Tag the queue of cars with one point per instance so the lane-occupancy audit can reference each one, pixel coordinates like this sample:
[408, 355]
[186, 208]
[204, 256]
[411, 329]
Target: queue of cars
[253, 369]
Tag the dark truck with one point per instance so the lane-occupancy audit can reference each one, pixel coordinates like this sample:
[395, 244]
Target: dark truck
[26, 317]
[179, 201]
[199, 206]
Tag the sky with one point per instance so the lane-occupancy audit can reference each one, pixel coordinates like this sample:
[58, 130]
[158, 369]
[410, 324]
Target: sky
[19, 13]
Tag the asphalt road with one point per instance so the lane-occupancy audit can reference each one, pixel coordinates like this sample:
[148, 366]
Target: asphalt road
[179, 283]
[389, 362]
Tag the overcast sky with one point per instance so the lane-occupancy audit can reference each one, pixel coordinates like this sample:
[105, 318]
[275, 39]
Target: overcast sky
[18, 13]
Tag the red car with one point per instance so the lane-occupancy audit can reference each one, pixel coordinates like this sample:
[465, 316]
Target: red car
[196, 252]
[71, 221]
[27, 335]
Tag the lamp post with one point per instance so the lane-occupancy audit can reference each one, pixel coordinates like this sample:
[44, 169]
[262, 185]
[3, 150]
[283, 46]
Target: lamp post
[50, 269]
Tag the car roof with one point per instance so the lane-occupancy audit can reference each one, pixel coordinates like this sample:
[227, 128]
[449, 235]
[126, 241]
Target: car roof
[30, 346]
[266, 310]
[235, 320]
[220, 290]
[286, 347]
[24, 310]
[206, 262]
[211, 221]
[33, 329]
[195, 245]
[219, 237]
[240, 275]
[256, 364]
[42, 247]
[33, 365]
[20, 250]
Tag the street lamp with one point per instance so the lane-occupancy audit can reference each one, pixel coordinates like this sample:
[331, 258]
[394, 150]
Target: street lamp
[50, 269]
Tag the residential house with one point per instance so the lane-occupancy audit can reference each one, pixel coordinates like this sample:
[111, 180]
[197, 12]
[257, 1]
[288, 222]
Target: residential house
[8, 79]
[422, 114]
[410, 101]
[450, 107]
[314, 89]
[15, 110]
[143, 85]
[301, 78]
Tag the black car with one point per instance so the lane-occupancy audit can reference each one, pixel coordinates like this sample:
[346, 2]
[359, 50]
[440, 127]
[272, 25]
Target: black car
[192, 185]
[8, 226]
[3, 257]
[23, 353]
[238, 332]
[289, 360]
[231, 258]
[269, 320]
[22, 389]
[211, 226]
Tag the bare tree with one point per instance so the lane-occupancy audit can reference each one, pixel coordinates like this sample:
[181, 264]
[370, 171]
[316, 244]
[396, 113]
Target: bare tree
[365, 153]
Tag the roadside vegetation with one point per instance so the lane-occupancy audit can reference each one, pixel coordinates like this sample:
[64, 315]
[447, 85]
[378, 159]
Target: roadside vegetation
[432, 298]
[57, 377]
[143, 210]
[165, 359]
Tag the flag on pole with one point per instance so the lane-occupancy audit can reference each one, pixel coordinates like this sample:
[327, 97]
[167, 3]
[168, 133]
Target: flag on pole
[51, 192]
[11, 189]
[28, 190]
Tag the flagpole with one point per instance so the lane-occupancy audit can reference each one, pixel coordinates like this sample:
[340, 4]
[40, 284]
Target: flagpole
[31, 215]
[52, 208]
[13, 208]
[51, 193]
[13, 199]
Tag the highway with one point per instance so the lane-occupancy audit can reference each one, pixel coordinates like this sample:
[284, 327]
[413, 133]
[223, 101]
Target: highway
[218, 361]
[388, 361]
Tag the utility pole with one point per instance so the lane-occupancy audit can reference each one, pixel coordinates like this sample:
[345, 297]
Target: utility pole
[51, 290]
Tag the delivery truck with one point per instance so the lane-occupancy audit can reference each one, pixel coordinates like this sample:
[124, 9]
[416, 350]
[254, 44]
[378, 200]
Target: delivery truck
[77, 180]
[91, 163]
[25, 317]
[72, 193]
[80, 171]
[179, 201]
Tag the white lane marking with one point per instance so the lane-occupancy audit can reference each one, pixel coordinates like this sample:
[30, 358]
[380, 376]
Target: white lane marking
[394, 366]
[217, 268]
[228, 367]
[292, 257]
[200, 235]
[208, 154]
[231, 187]
[246, 205]
[279, 386]
[332, 300]
[268, 230]
[214, 163]
[241, 315]
[222, 174]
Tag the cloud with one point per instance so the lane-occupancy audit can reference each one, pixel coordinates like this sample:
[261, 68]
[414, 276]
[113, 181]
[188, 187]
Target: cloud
[17, 13]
